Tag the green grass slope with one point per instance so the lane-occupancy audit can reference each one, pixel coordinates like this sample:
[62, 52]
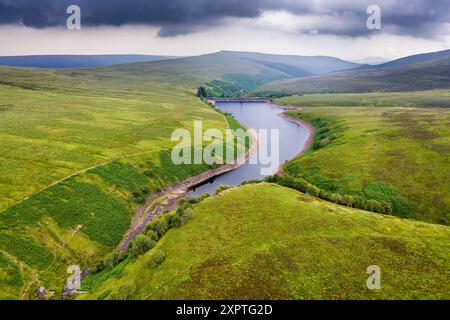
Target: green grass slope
[396, 155]
[46, 135]
[139, 79]
[78, 154]
[416, 99]
[434, 74]
[225, 73]
[277, 243]
[82, 148]
[229, 62]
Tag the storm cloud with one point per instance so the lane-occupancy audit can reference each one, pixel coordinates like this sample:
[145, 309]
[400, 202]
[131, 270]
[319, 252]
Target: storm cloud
[427, 18]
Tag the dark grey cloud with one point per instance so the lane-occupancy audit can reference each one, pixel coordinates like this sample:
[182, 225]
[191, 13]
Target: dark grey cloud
[175, 17]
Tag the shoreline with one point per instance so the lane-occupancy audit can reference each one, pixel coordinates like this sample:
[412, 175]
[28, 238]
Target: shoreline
[311, 131]
[175, 192]
[286, 107]
[309, 128]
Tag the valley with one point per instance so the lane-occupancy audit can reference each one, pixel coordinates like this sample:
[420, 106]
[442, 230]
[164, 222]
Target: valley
[81, 150]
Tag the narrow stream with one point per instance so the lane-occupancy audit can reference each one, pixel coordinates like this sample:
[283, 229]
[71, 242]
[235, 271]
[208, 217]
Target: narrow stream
[258, 115]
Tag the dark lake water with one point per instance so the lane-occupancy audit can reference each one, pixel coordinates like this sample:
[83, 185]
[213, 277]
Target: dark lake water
[258, 116]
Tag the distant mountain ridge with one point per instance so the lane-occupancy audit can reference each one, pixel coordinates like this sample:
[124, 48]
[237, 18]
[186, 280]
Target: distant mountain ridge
[224, 74]
[230, 73]
[418, 72]
[417, 58]
[76, 61]
[312, 65]
[371, 61]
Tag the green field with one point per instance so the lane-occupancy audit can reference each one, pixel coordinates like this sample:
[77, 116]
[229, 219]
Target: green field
[276, 243]
[79, 153]
[47, 136]
[81, 150]
[224, 73]
[416, 99]
[397, 155]
[145, 80]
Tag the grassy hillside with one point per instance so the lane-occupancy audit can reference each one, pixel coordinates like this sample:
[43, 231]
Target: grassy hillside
[428, 75]
[81, 149]
[78, 154]
[233, 73]
[416, 99]
[395, 155]
[276, 243]
[312, 65]
[226, 73]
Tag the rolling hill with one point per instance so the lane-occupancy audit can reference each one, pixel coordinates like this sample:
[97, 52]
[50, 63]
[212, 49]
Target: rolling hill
[311, 65]
[277, 243]
[233, 73]
[81, 149]
[396, 155]
[423, 72]
[224, 73]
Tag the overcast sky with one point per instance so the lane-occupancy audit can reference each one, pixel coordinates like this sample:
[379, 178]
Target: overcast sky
[189, 27]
